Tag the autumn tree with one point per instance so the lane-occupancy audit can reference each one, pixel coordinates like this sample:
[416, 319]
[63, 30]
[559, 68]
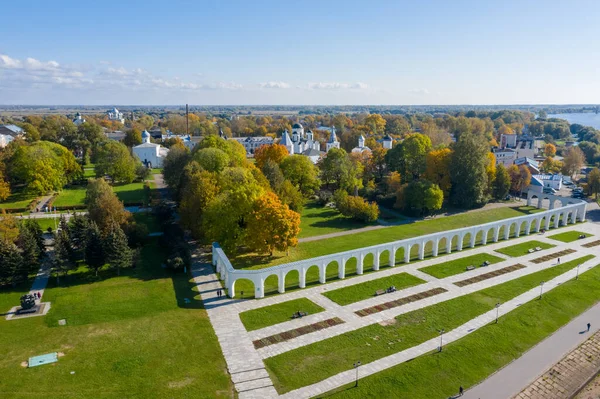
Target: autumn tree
[502, 183]
[437, 169]
[271, 225]
[490, 170]
[550, 150]
[273, 152]
[103, 205]
[9, 228]
[409, 157]
[520, 178]
[393, 182]
[4, 188]
[551, 165]
[376, 124]
[594, 182]
[302, 173]
[31, 132]
[468, 171]
[200, 189]
[573, 161]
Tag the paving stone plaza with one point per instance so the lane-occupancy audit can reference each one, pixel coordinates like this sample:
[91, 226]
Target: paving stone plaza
[245, 362]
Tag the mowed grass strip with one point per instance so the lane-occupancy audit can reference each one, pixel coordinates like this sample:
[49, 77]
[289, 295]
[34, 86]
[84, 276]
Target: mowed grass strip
[75, 195]
[569, 236]
[523, 248]
[316, 220]
[358, 292]
[256, 319]
[320, 360]
[460, 265]
[475, 357]
[125, 335]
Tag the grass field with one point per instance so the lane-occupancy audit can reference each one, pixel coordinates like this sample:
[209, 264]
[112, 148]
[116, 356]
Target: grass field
[338, 244]
[320, 360]
[523, 248]
[358, 292]
[269, 315]
[17, 200]
[128, 336]
[569, 236]
[75, 195]
[316, 220]
[473, 358]
[458, 266]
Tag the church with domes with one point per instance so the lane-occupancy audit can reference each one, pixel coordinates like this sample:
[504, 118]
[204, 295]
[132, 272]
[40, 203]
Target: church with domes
[152, 155]
[304, 143]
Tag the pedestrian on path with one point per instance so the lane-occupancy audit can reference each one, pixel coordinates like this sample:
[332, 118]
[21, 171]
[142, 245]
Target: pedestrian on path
[559, 261]
[588, 327]
[460, 391]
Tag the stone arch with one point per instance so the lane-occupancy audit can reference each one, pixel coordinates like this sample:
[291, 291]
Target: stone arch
[242, 285]
[332, 270]
[514, 229]
[312, 275]
[489, 235]
[350, 266]
[466, 239]
[429, 247]
[368, 261]
[455, 242]
[414, 251]
[523, 228]
[271, 284]
[292, 279]
[384, 258]
[399, 255]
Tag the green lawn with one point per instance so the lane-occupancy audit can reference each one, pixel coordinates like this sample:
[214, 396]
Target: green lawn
[128, 336]
[475, 357]
[358, 292]
[353, 241]
[75, 195]
[89, 173]
[269, 315]
[523, 248]
[315, 362]
[17, 200]
[458, 266]
[317, 220]
[569, 236]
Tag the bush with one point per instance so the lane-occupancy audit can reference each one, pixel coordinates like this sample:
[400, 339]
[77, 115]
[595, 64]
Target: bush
[356, 207]
[137, 234]
[324, 197]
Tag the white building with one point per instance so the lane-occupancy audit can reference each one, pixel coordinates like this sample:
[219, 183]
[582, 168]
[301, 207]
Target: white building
[387, 142]
[333, 141]
[8, 133]
[302, 141]
[361, 146]
[505, 156]
[185, 138]
[251, 144]
[152, 155]
[115, 115]
[551, 181]
[524, 146]
[78, 120]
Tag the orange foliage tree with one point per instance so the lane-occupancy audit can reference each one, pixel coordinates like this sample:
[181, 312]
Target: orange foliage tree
[274, 152]
[437, 169]
[272, 225]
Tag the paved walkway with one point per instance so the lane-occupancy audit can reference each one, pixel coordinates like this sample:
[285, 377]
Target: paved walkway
[517, 375]
[569, 375]
[246, 365]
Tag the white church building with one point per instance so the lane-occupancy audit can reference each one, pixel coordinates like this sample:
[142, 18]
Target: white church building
[78, 120]
[115, 115]
[305, 144]
[361, 146]
[152, 155]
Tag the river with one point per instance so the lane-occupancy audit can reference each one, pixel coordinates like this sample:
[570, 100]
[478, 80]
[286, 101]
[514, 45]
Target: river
[585, 119]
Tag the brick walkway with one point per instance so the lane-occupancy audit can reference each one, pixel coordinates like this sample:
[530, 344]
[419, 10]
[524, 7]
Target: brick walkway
[567, 376]
[245, 363]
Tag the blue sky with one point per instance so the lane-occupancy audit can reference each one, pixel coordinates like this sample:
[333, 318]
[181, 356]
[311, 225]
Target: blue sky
[303, 52]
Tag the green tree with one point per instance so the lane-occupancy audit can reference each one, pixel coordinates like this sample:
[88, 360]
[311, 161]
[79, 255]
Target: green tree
[173, 167]
[420, 197]
[113, 159]
[63, 258]
[274, 175]
[132, 137]
[118, 253]
[338, 169]
[200, 189]
[468, 171]
[43, 166]
[409, 157]
[302, 173]
[30, 253]
[31, 132]
[78, 232]
[235, 151]
[211, 159]
[94, 249]
[594, 182]
[502, 182]
[11, 262]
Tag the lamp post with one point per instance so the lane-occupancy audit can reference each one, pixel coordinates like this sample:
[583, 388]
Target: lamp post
[356, 366]
[497, 310]
[577, 275]
[541, 289]
[441, 339]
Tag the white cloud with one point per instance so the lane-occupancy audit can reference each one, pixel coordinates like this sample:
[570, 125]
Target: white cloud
[337, 86]
[274, 85]
[421, 91]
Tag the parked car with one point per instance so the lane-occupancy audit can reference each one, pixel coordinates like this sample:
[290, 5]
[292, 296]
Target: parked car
[568, 183]
[549, 190]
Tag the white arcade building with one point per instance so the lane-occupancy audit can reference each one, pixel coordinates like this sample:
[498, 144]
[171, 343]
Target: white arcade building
[152, 155]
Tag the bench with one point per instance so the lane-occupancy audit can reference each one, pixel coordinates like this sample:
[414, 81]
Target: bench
[538, 248]
[379, 292]
[299, 315]
[531, 250]
[470, 267]
[582, 236]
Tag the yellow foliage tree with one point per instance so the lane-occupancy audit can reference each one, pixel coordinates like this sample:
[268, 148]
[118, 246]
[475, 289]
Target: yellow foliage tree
[273, 152]
[4, 188]
[437, 169]
[550, 150]
[490, 169]
[272, 225]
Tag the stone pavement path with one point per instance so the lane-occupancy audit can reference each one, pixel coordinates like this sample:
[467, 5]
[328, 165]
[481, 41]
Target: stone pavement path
[246, 368]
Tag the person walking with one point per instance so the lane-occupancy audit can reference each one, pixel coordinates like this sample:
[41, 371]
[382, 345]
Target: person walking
[460, 391]
[559, 261]
[588, 327]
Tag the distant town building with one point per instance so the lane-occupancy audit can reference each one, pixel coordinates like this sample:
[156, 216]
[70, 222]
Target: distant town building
[78, 120]
[531, 164]
[115, 115]
[524, 146]
[8, 133]
[361, 146]
[152, 155]
[251, 144]
[185, 138]
[333, 141]
[387, 142]
[302, 141]
[550, 181]
[505, 156]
